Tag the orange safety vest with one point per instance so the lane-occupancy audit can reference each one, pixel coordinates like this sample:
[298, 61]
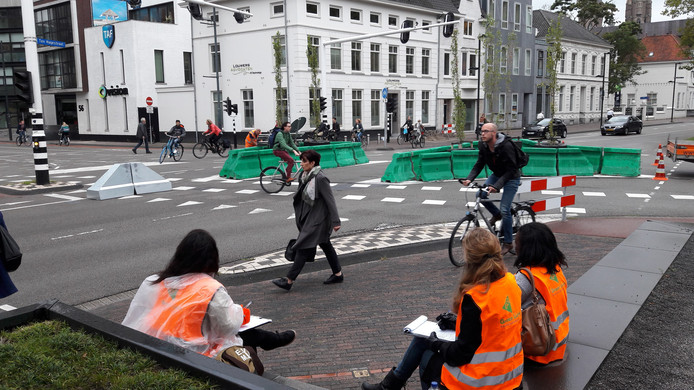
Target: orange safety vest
[553, 290]
[498, 362]
[251, 139]
[179, 313]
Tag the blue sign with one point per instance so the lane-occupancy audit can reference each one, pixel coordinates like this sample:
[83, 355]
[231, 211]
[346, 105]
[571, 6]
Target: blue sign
[48, 42]
[384, 93]
[109, 33]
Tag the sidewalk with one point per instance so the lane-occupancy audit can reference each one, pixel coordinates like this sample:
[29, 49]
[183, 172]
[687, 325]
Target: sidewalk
[352, 332]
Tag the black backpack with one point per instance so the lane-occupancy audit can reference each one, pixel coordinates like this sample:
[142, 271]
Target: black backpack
[522, 158]
[271, 138]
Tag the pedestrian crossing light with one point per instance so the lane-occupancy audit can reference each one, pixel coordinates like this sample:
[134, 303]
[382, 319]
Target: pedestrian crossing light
[405, 36]
[239, 17]
[392, 104]
[227, 106]
[234, 109]
[448, 29]
[323, 103]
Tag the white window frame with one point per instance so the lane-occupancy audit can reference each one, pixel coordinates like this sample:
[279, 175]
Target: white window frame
[378, 16]
[397, 19]
[375, 107]
[514, 103]
[393, 51]
[336, 8]
[426, 23]
[584, 60]
[446, 64]
[574, 57]
[273, 11]
[426, 96]
[467, 28]
[336, 48]
[409, 59]
[517, 17]
[356, 48]
[562, 62]
[248, 108]
[283, 50]
[472, 58]
[357, 104]
[503, 60]
[337, 108]
[360, 16]
[502, 107]
[311, 14]
[378, 57]
[463, 64]
[529, 19]
[516, 61]
[504, 14]
[409, 103]
[528, 62]
[426, 59]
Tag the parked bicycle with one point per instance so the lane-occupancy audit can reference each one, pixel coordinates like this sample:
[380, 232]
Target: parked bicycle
[521, 213]
[169, 150]
[201, 148]
[274, 179]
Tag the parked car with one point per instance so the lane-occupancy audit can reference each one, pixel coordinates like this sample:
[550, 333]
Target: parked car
[622, 124]
[540, 129]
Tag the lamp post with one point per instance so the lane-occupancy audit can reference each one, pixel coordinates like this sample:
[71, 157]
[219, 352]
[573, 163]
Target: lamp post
[479, 73]
[674, 84]
[602, 87]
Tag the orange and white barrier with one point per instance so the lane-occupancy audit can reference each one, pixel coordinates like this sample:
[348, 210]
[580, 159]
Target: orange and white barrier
[553, 203]
[548, 183]
[658, 155]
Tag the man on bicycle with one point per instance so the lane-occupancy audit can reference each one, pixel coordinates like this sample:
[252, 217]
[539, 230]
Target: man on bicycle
[283, 145]
[213, 132]
[498, 153]
[21, 130]
[407, 128]
[177, 131]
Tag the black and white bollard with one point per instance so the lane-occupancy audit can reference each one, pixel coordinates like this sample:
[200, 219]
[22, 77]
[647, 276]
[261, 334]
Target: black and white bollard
[38, 137]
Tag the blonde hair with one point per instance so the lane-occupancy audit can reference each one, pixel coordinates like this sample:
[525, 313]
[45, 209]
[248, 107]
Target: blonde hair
[483, 263]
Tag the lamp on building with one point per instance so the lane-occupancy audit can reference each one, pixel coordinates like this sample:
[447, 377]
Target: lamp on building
[674, 84]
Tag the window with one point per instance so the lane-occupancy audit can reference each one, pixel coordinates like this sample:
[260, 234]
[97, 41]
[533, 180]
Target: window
[573, 63]
[392, 21]
[426, 23]
[355, 15]
[159, 66]
[446, 64]
[217, 108]
[528, 62]
[584, 59]
[409, 60]
[514, 106]
[54, 23]
[540, 63]
[572, 91]
[375, 107]
[425, 106]
[491, 6]
[652, 98]
[516, 60]
[502, 106]
[463, 64]
[160, 13]
[375, 57]
[335, 12]
[517, 17]
[529, 19]
[356, 56]
[337, 105]
[473, 64]
[277, 9]
[409, 103]
[248, 110]
[503, 60]
[57, 69]
[315, 45]
[561, 98]
[375, 18]
[311, 98]
[467, 28]
[392, 59]
[562, 61]
[215, 61]
[490, 58]
[504, 14]
[425, 61]
[283, 49]
[312, 8]
[336, 56]
[187, 67]
[592, 66]
[356, 104]
[592, 98]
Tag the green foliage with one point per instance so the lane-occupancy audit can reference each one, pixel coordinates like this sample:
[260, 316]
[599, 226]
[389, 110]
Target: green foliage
[675, 8]
[312, 55]
[626, 50]
[458, 104]
[586, 12]
[277, 51]
[51, 355]
[554, 50]
[491, 41]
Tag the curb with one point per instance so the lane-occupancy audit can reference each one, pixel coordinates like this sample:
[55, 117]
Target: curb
[39, 189]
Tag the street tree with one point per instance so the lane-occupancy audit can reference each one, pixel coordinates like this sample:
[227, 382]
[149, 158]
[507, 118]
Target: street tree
[458, 104]
[626, 50]
[677, 8]
[589, 13]
[277, 50]
[491, 41]
[312, 56]
[554, 51]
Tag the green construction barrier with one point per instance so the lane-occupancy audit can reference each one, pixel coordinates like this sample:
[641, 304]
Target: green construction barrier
[572, 161]
[359, 155]
[399, 169]
[418, 153]
[435, 166]
[593, 154]
[344, 154]
[267, 159]
[543, 162]
[621, 162]
[226, 168]
[327, 155]
[245, 165]
[462, 162]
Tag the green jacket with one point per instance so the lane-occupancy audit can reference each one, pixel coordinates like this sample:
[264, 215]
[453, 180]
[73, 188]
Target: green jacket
[284, 141]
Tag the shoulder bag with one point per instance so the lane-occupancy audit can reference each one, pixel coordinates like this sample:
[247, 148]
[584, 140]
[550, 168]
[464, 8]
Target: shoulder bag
[244, 358]
[10, 254]
[289, 253]
[538, 334]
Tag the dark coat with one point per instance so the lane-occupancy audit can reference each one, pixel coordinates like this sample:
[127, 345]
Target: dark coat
[315, 223]
[141, 130]
[502, 161]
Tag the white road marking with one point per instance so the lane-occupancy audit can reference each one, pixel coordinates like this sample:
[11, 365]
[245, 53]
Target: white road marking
[8, 307]
[434, 202]
[171, 217]
[130, 197]
[683, 197]
[593, 193]
[103, 167]
[394, 187]
[247, 191]
[334, 184]
[393, 200]
[77, 234]
[353, 197]
[61, 196]
[577, 210]
[214, 190]
[643, 196]
[431, 188]
[344, 219]
[361, 185]
[258, 211]
[77, 191]
[86, 177]
[224, 206]
[183, 188]
[158, 200]
[233, 181]
[467, 189]
[209, 178]
[291, 216]
[15, 203]
[189, 203]
[285, 193]
[173, 179]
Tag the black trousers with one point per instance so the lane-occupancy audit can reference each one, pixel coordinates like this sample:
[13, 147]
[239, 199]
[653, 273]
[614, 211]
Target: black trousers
[264, 339]
[309, 254]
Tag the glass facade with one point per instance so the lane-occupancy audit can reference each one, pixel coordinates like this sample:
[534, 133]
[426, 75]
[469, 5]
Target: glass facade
[160, 13]
[57, 68]
[54, 23]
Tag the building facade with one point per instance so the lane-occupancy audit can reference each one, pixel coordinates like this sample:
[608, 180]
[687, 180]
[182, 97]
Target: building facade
[638, 11]
[13, 58]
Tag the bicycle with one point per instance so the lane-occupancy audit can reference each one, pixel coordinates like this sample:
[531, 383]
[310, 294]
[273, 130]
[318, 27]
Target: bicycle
[360, 137]
[23, 140]
[168, 150]
[201, 148]
[417, 139]
[64, 139]
[521, 212]
[274, 179]
[402, 137]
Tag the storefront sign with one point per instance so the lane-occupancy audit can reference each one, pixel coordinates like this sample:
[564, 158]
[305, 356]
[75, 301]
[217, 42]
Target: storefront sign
[109, 34]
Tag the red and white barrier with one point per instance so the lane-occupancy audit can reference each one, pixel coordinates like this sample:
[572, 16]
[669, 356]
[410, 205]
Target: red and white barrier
[448, 128]
[548, 183]
[553, 203]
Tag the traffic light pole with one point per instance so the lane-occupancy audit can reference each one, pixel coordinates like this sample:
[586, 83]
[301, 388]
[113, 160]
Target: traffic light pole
[7, 106]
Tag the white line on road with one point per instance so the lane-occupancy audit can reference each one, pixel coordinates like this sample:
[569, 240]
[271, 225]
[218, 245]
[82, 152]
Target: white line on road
[7, 307]
[77, 234]
[683, 197]
[223, 206]
[208, 178]
[214, 190]
[393, 200]
[66, 197]
[594, 194]
[394, 187]
[425, 188]
[353, 197]
[642, 196]
[14, 203]
[158, 200]
[434, 202]
[171, 216]
[189, 203]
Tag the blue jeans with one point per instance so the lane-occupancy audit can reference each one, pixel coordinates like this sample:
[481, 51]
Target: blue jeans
[417, 354]
[510, 189]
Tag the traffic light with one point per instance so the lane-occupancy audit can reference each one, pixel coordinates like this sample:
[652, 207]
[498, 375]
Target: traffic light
[323, 103]
[239, 17]
[227, 106]
[405, 36]
[234, 109]
[195, 11]
[392, 104]
[22, 81]
[448, 29]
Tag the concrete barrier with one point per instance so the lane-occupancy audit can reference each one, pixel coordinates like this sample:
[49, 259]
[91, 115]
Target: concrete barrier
[344, 154]
[267, 159]
[146, 181]
[359, 155]
[399, 169]
[435, 166]
[115, 183]
[543, 162]
[593, 154]
[226, 168]
[246, 164]
[327, 155]
[621, 162]
[572, 161]
[462, 162]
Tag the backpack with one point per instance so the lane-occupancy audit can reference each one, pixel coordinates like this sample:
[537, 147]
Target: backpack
[522, 158]
[271, 138]
[10, 254]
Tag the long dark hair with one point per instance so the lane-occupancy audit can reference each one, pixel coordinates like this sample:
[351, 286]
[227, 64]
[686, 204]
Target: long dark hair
[537, 246]
[196, 253]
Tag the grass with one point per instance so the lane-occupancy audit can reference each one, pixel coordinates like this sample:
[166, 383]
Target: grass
[51, 355]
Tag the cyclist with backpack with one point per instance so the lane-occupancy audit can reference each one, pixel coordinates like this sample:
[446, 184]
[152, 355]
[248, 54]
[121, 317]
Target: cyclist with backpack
[282, 143]
[498, 152]
[177, 131]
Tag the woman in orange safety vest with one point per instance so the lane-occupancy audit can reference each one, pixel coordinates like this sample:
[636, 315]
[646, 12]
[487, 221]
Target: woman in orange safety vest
[487, 352]
[537, 250]
[186, 306]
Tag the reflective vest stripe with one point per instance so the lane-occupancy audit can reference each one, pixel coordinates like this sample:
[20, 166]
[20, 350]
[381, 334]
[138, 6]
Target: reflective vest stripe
[491, 380]
[560, 319]
[495, 357]
[552, 287]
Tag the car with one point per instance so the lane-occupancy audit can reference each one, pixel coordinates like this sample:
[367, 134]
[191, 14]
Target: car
[540, 129]
[622, 124]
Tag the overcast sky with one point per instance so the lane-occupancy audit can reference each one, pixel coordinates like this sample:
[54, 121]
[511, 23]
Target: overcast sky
[656, 11]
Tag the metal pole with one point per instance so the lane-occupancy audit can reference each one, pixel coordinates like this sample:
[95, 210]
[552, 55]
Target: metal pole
[674, 84]
[192, 66]
[218, 63]
[602, 88]
[479, 75]
[7, 105]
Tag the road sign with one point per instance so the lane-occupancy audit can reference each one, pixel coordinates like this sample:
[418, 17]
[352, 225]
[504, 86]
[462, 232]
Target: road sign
[149, 101]
[150, 109]
[384, 93]
[48, 42]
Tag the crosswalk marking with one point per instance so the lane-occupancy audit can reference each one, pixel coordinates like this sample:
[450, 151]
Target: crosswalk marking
[247, 191]
[158, 200]
[182, 188]
[130, 197]
[214, 190]
[577, 210]
[642, 196]
[394, 187]
[431, 188]
[393, 200]
[586, 193]
[353, 197]
[189, 203]
[284, 193]
[61, 196]
[208, 178]
[360, 185]
[259, 210]
[683, 197]
[223, 206]
[434, 202]
[551, 192]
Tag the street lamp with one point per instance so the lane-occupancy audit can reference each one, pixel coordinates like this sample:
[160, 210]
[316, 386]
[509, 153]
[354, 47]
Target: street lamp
[602, 87]
[674, 84]
[479, 74]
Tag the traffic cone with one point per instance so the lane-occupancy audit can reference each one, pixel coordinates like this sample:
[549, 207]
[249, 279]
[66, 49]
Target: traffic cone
[660, 171]
[657, 155]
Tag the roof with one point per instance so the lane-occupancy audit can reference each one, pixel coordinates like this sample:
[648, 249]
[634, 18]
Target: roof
[662, 48]
[570, 29]
[438, 5]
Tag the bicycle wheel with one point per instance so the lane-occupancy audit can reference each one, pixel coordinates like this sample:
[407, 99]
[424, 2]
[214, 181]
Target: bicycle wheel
[364, 142]
[200, 150]
[162, 155]
[455, 243]
[272, 180]
[19, 140]
[421, 141]
[178, 152]
[67, 141]
[222, 151]
[521, 216]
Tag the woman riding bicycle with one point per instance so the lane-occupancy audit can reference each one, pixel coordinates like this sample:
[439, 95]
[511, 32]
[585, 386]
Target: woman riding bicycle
[64, 132]
[213, 132]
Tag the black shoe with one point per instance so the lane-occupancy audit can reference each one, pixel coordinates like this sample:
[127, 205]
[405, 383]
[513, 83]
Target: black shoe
[495, 219]
[282, 283]
[148, 152]
[334, 279]
[134, 151]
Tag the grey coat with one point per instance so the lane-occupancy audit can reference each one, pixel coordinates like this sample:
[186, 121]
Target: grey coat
[315, 223]
[141, 130]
